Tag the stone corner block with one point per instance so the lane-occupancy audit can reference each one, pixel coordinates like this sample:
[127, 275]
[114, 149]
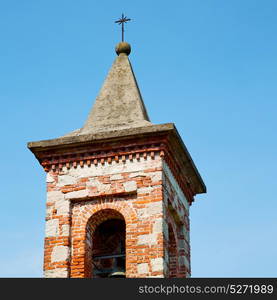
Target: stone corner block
[157, 264]
[142, 268]
[60, 253]
[49, 178]
[54, 196]
[130, 186]
[76, 194]
[56, 273]
[147, 239]
[52, 228]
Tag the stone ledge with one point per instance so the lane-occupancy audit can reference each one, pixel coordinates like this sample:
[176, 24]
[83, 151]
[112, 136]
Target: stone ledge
[106, 195]
[92, 138]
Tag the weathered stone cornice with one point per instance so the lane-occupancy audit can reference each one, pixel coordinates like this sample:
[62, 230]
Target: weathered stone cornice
[127, 144]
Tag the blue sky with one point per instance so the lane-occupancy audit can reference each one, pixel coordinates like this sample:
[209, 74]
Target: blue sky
[209, 66]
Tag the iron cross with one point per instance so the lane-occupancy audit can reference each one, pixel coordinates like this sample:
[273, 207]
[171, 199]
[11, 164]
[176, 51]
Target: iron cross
[121, 22]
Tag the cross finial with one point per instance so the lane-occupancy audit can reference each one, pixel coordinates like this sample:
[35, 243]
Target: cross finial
[121, 22]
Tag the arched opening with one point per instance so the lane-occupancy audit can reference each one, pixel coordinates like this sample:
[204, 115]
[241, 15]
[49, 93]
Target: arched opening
[108, 252]
[172, 253]
[107, 234]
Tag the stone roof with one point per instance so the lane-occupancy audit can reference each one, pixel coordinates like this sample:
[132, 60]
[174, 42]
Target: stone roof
[119, 104]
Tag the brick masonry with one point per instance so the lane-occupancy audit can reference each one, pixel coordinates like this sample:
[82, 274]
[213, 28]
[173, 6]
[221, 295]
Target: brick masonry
[140, 188]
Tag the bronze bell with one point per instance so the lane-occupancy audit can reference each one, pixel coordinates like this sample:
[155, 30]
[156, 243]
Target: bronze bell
[119, 273]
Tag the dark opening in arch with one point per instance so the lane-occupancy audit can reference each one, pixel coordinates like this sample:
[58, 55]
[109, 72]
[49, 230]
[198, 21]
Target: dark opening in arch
[172, 251]
[108, 249]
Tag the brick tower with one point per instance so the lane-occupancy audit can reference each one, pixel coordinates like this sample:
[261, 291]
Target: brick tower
[118, 189]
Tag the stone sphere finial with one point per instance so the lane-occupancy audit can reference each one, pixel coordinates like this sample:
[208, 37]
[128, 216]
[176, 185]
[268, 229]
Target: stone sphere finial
[123, 47]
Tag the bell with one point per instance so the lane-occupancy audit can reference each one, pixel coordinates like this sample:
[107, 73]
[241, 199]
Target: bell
[117, 274]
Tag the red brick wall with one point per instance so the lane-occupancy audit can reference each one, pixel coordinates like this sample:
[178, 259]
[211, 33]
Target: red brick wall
[142, 190]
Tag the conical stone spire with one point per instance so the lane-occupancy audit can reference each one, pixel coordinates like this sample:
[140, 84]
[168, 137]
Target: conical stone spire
[119, 104]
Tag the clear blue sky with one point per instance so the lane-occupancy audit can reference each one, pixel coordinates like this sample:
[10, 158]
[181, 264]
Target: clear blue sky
[209, 66]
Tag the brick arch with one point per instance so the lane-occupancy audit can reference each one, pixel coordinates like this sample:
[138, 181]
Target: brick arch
[93, 222]
[172, 246]
[103, 215]
[123, 208]
[172, 251]
[85, 218]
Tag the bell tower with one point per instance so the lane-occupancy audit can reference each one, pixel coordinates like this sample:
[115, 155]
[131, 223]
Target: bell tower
[119, 189]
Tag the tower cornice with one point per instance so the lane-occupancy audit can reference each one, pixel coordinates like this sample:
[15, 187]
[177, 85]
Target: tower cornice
[121, 145]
